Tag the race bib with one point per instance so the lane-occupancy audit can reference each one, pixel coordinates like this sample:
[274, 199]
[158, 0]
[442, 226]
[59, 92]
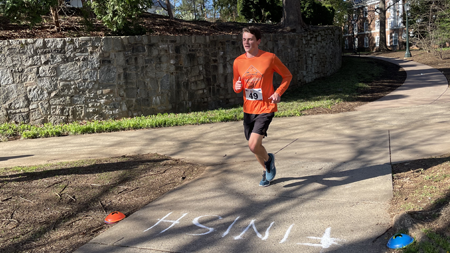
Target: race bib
[253, 94]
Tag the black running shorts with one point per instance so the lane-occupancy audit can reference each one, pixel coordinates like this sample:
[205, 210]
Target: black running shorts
[257, 123]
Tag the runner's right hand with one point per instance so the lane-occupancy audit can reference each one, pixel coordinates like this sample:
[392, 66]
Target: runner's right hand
[238, 84]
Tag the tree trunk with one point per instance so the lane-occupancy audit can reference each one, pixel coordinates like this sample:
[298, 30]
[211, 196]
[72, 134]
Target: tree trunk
[195, 11]
[382, 15]
[204, 14]
[169, 9]
[292, 16]
[54, 11]
[214, 10]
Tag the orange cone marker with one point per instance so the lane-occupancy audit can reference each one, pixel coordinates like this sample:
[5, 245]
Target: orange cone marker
[114, 217]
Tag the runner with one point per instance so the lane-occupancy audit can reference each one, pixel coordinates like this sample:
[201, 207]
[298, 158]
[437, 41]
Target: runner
[253, 73]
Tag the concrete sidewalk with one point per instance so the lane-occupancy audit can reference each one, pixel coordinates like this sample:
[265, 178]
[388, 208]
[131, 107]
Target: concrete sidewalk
[423, 85]
[331, 192]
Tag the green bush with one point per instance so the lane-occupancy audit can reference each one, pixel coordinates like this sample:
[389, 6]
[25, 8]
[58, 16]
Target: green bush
[26, 11]
[314, 13]
[122, 17]
[261, 11]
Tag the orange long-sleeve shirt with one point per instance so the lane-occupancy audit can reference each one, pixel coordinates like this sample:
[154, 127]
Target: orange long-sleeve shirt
[257, 80]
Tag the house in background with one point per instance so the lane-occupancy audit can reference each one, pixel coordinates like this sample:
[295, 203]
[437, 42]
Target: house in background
[362, 30]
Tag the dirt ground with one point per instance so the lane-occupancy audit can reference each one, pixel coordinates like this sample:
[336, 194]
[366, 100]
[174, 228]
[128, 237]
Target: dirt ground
[422, 187]
[59, 207]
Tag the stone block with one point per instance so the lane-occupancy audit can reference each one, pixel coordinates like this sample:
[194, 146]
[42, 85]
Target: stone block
[28, 75]
[154, 39]
[18, 103]
[108, 91]
[164, 58]
[153, 85]
[156, 100]
[36, 115]
[130, 76]
[6, 77]
[130, 60]
[154, 52]
[36, 93]
[85, 85]
[52, 59]
[60, 101]
[90, 75]
[145, 39]
[57, 120]
[105, 62]
[21, 117]
[119, 58]
[143, 102]
[78, 100]
[76, 113]
[130, 92]
[107, 44]
[197, 85]
[10, 92]
[55, 43]
[4, 43]
[44, 107]
[3, 115]
[107, 74]
[200, 39]
[166, 82]
[59, 110]
[47, 70]
[31, 61]
[125, 40]
[93, 61]
[137, 49]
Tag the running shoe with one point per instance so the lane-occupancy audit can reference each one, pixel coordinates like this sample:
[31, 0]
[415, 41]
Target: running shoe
[271, 171]
[264, 182]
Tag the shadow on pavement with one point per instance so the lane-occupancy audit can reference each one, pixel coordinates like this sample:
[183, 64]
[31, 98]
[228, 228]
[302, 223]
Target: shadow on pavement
[13, 157]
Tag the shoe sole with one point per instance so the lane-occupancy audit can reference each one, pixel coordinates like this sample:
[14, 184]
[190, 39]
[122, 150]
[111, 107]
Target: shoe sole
[265, 185]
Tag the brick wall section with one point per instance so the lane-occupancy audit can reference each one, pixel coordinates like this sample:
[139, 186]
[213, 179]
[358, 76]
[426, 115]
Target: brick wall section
[74, 79]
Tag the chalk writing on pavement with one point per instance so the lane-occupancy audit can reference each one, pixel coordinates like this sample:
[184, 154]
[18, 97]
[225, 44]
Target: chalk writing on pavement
[325, 241]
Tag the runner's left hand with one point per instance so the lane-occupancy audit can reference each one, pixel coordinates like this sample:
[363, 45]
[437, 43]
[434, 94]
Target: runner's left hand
[275, 98]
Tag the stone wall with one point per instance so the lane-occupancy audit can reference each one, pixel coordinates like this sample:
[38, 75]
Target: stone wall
[73, 79]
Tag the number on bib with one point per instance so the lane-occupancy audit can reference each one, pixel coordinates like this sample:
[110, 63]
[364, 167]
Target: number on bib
[253, 94]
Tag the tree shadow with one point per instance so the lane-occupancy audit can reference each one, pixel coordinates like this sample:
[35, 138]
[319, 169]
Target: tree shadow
[334, 178]
[83, 170]
[53, 221]
[436, 214]
[391, 77]
[5, 158]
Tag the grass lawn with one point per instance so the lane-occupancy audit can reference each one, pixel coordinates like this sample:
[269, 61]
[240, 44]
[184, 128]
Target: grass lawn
[355, 75]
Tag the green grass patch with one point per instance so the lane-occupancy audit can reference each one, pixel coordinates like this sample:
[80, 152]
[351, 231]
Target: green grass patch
[437, 244]
[24, 169]
[354, 75]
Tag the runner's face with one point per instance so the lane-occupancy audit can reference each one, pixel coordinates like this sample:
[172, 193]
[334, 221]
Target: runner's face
[250, 43]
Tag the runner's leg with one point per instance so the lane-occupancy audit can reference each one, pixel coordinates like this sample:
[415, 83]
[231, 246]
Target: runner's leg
[255, 145]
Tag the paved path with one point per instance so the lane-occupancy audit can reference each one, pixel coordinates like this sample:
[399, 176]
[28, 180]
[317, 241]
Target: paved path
[423, 85]
[331, 192]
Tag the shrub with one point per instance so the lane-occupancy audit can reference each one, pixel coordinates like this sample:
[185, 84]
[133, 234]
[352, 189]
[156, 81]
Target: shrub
[121, 17]
[26, 11]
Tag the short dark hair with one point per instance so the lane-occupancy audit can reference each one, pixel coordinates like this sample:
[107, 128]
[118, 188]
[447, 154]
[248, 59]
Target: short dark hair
[253, 30]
